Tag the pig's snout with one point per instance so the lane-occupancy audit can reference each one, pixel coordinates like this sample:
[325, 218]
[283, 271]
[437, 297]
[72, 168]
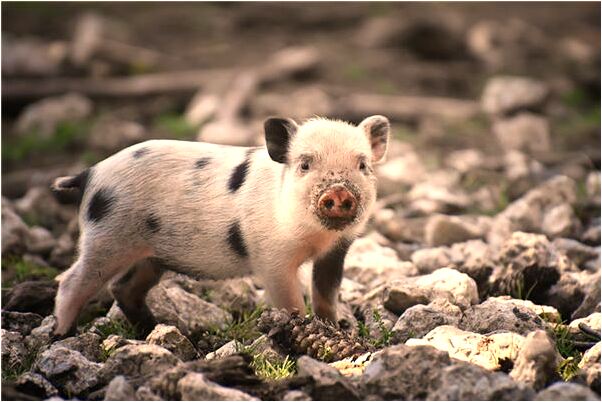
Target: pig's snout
[338, 203]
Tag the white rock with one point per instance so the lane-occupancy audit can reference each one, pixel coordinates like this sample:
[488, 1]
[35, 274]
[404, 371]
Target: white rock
[525, 132]
[195, 387]
[505, 94]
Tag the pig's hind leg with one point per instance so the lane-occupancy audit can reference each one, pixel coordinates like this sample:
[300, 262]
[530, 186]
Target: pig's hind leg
[101, 258]
[130, 292]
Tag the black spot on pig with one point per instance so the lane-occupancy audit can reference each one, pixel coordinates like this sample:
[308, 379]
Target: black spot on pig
[237, 179]
[153, 223]
[100, 205]
[201, 163]
[236, 240]
[140, 152]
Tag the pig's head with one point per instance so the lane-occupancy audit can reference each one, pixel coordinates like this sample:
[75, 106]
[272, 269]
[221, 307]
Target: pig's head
[328, 167]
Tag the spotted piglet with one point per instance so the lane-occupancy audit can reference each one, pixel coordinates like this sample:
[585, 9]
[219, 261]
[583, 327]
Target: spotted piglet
[214, 212]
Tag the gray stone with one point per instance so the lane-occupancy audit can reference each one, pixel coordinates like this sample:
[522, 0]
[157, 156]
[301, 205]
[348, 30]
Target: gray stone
[88, 344]
[39, 240]
[229, 349]
[35, 384]
[387, 376]
[592, 187]
[419, 320]
[505, 94]
[566, 391]
[171, 338]
[119, 389]
[138, 362]
[174, 306]
[537, 361]
[42, 334]
[446, 283]
[560, 221]
[144, 393]
[13, 349]
[589, 367]
[195, 387]
[44, 116]
[68, 370]
[578, 252]
[524, 132]
[296, 395]
[493, 315]
[465, 382]
[109, 134]
[14, 230]
[22, 323]
[591, 302]
[444, 230]
[327, 382]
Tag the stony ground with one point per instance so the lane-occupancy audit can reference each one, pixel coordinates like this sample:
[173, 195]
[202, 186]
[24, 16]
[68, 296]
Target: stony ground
[478, 277]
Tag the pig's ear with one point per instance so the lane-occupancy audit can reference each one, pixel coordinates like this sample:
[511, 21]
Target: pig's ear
[377, 129]
[278, 133]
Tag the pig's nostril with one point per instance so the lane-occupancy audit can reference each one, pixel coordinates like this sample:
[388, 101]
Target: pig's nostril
[329, 203]
[346, 205]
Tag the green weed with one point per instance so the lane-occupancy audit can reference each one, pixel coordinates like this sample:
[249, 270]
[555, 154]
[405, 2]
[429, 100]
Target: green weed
[25, 270]
[117, 327]
[272, 368]
[175, 125]
[565, 344]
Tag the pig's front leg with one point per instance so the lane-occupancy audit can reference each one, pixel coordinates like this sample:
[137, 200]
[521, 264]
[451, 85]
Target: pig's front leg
[327, 276]
[283, 288]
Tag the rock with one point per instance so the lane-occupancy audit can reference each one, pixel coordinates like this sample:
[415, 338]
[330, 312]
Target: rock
[170, 338]
[227, 132]
[566, 391]
[138, 363]
[202, 108]
[592, 321]
[32, 57]
[238, 294]
[386, 377]
[591, 235]
[528, 266]
[39, 240]
[494, 315]
[175, 306]
[547, 313]
[195, 387]
[114, 342]
[446, 283]
[353, 366]
[87, 343]
[35, 385]
[327, 382]
[473, 258]
[490, 352]
[466, 382]
[396, 227]
[32, 296]
[68, 370]
[296, 395]
[119, 389]
[592, 187]
[42, 334]
[63, 253]
[44, 116]
[537, 361]
[590, 368]
[144, 393]
[524, 132]
[299, 104]
[522, 171]
[577, 252]
[377, 319]
[444, 230]
[465, 160]
[419, 320]
[428, 260]
[526, 214]
[40, 207]
[13, 349]
[560, 221]
[229, 349]
[371, 264]
[14, 230]
[405, 170]
[591, 302]
[505, 94]
[429, 197]
[22, 323]
[110, 134]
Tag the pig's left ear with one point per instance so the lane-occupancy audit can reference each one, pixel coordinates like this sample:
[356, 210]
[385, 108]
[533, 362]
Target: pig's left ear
[377, 129]
[278, 133]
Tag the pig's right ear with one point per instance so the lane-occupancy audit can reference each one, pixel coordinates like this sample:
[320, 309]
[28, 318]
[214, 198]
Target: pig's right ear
[278, 133]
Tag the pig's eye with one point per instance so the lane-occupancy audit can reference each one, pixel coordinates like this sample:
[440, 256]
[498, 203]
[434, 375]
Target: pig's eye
[362, 166]
[304, 166]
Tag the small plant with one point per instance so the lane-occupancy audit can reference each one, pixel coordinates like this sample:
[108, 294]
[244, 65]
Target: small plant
[11, 372]
[519, 291]
[175, 125]
[273, 368]
[117, 327]
[385, 334]
[26, 270]
[567, 349]
[241, 329]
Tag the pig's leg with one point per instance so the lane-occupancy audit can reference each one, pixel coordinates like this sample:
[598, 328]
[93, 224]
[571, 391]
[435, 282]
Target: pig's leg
[327, 276]
[130, 292]
[284, 289]
[100, 260]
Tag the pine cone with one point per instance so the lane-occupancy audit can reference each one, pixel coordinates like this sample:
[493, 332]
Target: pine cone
[311, 336]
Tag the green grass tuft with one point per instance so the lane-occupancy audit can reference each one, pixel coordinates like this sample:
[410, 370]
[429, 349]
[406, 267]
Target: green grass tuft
[117, 327]
[25, 270]
[175, 125]
[565, 344]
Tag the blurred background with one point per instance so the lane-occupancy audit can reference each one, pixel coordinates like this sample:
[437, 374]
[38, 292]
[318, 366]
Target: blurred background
[485, 99]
